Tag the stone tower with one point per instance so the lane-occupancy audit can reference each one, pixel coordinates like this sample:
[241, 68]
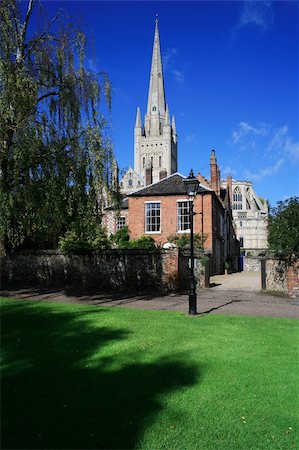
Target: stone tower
[155, 143]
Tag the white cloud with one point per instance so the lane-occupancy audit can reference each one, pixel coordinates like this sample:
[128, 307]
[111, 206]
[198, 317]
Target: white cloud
[245, 129]
[189, 138]
[257, 13]
[178, 76]
[168, 57]
[268, 171]
[282, 144]
[265, 143]
[228, 171]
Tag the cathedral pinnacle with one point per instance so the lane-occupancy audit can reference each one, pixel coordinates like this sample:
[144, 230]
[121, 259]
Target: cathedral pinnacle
[156, 95]
[138, 119]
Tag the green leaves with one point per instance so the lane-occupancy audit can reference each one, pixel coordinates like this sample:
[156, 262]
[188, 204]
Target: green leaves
[284, 227]
[55, 148]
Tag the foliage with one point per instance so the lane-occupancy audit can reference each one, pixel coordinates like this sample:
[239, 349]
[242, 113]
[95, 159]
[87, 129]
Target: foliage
[84, 237]
[121, 237]
[122, 240]
[283, 227]
[227, 265]
[183, 240]
[144, 242]
[221, 382]
[55, 148]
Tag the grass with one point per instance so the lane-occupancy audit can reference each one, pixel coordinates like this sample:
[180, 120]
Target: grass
[82, 377]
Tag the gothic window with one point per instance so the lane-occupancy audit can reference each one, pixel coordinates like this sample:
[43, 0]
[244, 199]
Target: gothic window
[154, 108]
[153, 217]
[152, 161]
[241, 242]
[183, 214]
[237, 198]
[121, 222]
[130, 182]
[160, 161]
[143, 162]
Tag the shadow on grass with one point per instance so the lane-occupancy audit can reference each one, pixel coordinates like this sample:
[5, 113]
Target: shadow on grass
[60, 392]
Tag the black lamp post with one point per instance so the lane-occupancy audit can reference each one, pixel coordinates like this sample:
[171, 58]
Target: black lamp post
[191, 185]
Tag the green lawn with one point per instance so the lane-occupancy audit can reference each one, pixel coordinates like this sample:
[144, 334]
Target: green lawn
[81, 377]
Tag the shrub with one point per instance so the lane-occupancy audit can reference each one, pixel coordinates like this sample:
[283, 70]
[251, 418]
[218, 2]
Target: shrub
[144, 242]
[183, 240]
[122, 240]
[84, 238]
[121, 237]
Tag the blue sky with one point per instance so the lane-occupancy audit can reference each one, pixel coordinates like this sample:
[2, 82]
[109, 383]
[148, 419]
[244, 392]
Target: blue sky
[231, 73]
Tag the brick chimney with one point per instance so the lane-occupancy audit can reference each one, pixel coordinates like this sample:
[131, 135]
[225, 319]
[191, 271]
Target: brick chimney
[162, 174]
[148, 176]
[214, 173]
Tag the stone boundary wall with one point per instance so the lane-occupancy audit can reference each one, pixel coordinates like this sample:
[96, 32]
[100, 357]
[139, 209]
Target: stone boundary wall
[201, 271]
[138, 270]
[282, 276]
[252, 264]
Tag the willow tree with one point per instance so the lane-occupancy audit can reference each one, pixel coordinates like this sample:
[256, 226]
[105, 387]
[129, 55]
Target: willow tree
[55, 148]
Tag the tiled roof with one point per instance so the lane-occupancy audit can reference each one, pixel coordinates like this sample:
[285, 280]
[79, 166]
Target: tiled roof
[124, 205]
[172, 185]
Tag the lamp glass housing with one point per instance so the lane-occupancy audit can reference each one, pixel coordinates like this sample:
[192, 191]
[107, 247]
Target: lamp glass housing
[191, 184]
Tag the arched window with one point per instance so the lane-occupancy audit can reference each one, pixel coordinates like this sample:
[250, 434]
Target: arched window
[237, 198]
[241, 242]
[154, 108]
[130, 182]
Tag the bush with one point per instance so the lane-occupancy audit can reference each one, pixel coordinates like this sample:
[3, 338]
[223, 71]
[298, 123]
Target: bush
[183, 240]
[122, 240]
[144, 242]
[121, 237]
[84, 238]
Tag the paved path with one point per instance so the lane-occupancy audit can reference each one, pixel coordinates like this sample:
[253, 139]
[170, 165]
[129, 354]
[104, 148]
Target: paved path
[210, 301]
[241, 281]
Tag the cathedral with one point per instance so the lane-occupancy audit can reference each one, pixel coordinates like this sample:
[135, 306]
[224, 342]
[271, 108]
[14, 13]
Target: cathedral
[155, 165]
[155, 141]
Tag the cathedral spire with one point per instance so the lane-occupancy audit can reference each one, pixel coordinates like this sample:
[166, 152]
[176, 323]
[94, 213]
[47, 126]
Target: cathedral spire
[156, 95]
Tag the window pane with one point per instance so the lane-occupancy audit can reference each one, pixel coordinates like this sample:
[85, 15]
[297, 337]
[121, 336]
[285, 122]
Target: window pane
[152, 217]
[183, 214]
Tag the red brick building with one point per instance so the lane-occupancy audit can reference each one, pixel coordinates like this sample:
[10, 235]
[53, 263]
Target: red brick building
[162, 209]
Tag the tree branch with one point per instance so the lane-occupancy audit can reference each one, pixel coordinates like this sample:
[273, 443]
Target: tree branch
[42, 36]
[20, 51]
[48, 94]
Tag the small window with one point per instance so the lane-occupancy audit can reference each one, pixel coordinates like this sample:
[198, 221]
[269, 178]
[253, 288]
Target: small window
[241, 242]
[160, 161]
[130, 182]
[183, 214]
[237, 198]
[152, 217]
[143, 162]
[154, 108]
[121, 222]
[152, 161]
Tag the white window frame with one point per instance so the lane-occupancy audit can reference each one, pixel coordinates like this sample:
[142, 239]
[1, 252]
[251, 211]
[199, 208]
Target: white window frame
[145, 217]
[177, 222]
[118, 227]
